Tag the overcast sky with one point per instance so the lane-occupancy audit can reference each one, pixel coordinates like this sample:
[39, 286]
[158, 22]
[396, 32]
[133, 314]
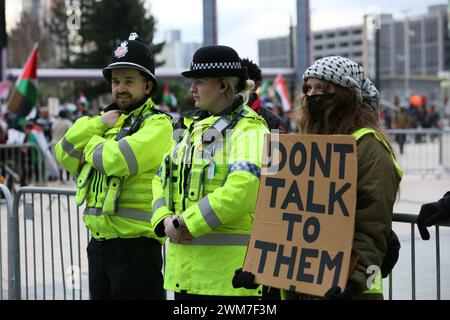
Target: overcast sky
[242, 23]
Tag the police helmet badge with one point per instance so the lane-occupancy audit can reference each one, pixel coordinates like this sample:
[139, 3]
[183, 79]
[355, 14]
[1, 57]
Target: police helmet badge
[122, 50]
[133, 36]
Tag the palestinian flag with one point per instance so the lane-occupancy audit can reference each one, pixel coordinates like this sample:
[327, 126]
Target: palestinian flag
[23, 98]
[168, 97]
[280, 87]
[267, 93]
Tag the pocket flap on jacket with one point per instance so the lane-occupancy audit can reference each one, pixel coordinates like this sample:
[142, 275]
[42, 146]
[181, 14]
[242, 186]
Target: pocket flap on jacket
[84, 175]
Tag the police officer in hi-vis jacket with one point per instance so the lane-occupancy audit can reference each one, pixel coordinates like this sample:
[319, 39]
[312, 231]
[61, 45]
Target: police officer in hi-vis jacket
[115, 156]
[205, 193]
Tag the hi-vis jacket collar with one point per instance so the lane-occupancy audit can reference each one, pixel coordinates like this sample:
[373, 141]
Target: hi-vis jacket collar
[146, 104]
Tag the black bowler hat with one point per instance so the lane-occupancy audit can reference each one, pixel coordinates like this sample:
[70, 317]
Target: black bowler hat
[214, 62]
[133, 54]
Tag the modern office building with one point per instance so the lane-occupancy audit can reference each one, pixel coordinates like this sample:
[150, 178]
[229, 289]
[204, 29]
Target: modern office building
[427, 48]
[413, 52]
[275, 52]
[346, 42]
[175, 53]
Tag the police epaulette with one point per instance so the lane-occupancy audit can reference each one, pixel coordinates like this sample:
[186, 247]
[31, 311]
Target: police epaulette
[156, 110]
[179, 124]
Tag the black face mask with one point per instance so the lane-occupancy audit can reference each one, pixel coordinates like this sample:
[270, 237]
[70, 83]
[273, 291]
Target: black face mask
[317, 105]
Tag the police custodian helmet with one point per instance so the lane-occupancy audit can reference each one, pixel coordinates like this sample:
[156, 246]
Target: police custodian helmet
[133, 54]
[216, 61]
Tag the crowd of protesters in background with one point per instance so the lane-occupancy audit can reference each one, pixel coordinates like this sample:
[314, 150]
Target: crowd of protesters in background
[418, 113]
[413, 113]
[41, 130]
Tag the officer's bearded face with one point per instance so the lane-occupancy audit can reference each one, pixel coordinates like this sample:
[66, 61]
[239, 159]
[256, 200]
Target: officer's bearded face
[129, 87]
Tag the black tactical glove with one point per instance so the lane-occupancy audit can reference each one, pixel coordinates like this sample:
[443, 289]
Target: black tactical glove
[244, 279]
[336, 293]
[433, 213]
[392, 254]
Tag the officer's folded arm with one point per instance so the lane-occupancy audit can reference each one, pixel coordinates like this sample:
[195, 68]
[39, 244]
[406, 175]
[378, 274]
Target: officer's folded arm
[129, 156]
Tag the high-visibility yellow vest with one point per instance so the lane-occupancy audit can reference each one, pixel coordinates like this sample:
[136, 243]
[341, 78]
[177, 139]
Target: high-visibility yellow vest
[215, 187]
[358, 134]
[115, 180]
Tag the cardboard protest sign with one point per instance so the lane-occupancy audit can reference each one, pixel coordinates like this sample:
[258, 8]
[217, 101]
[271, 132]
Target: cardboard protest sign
[304, 222]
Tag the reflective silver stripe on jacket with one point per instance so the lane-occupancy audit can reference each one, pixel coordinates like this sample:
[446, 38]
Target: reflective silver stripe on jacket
[161, 202]
[246, 166]
[98, 158]
[129, 156]
[208, 213]
[220, 239]
[70, 149]
[133, 214]
[158, 172]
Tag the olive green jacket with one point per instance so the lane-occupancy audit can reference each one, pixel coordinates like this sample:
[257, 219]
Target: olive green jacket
[377, 187]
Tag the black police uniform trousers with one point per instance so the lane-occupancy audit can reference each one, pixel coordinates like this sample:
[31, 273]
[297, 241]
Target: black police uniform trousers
[125, 269]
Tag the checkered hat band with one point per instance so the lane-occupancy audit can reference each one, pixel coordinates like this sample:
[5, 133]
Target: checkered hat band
[216, 65]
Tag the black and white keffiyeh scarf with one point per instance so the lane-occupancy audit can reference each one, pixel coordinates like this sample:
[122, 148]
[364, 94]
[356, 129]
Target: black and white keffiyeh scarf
[346, 73]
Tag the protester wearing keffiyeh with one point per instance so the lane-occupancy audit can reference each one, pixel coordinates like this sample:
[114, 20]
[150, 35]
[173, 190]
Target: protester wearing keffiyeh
[346, 73]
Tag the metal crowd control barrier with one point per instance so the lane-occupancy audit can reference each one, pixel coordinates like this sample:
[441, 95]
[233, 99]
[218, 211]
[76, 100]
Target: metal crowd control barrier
[27, 160]
[47, 257]
[426, 151]
[47, 243]
[64, 175]
[427, 270]
[11, 179]
[6, 202]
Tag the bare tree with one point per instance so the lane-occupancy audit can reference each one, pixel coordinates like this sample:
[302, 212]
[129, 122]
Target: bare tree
[22, 38]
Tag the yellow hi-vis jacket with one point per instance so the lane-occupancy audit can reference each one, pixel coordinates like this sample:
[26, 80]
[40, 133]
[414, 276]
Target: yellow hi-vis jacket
[214, 187]
[115, 178]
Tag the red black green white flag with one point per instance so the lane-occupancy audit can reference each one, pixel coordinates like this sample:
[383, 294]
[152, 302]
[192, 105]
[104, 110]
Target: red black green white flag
[168, 97]
[23, 98]
[280, 87]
